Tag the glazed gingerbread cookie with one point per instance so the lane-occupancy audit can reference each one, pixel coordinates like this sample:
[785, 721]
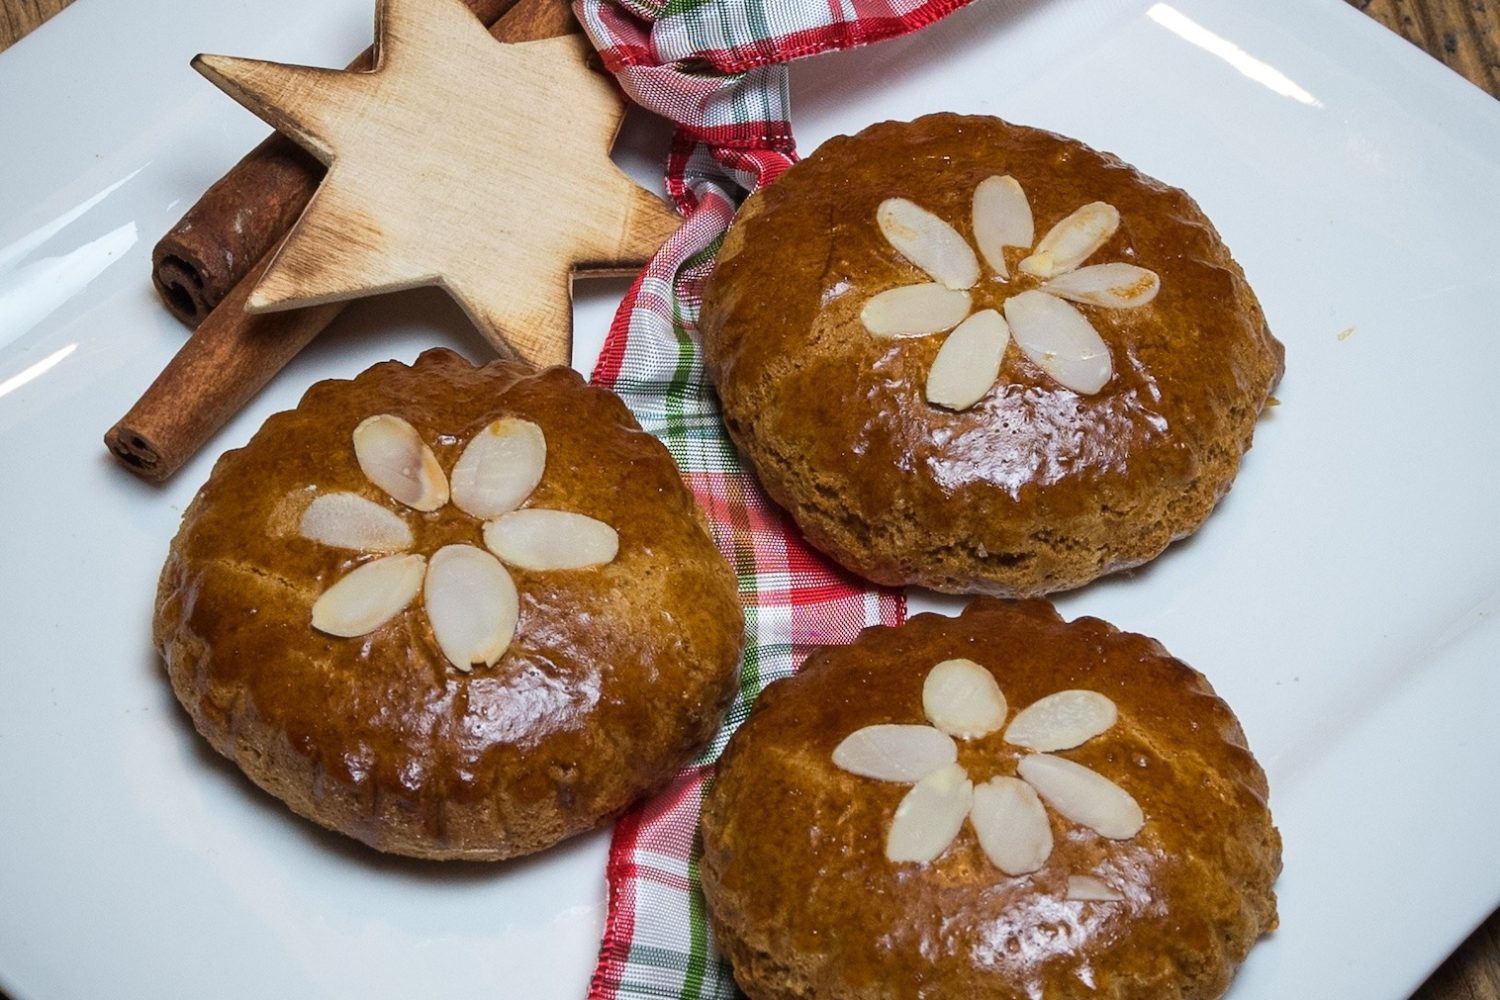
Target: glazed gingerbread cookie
[1003, 804]
[985, 358]
[454, 612]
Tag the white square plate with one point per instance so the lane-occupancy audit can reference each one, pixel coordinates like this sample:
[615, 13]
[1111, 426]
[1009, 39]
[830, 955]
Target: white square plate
[1343, 599]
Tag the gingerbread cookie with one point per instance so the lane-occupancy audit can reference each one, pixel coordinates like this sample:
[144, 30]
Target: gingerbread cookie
[985, 358]
[1003, 804]
[454, 612]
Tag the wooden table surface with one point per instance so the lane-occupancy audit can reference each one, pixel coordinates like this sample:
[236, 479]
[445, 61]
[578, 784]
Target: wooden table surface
[1465, 35]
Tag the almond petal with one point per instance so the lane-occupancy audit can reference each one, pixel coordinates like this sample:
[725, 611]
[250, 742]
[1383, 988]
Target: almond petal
[350, 521]
[1060, 340]
[895, 753]
[1114, 286]
[394, 457]
[499, 468]
[1002, 218]
[1012, 825]
[1083, 796]
[914, 310]
[1061, 721]
[536, 538]
[968, 362]
[1073, 240]
[1087, 888]
[928, 242]
[962, 699]
[472, 605]
[368, 597]
[930, 816]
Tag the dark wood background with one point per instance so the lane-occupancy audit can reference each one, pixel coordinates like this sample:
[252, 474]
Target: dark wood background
[1465, 35]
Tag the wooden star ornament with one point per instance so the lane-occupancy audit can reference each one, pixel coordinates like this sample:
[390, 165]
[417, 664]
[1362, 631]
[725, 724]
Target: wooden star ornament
[459, 161]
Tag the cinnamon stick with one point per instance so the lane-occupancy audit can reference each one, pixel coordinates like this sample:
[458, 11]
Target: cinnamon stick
[226, 361]
[246, 213]
[233, 354]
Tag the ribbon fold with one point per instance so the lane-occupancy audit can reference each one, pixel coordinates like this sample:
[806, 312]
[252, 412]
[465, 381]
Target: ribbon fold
[717, 69]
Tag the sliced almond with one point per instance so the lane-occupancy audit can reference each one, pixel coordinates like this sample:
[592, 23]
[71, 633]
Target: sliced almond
[1002, 218]
[394, 457]
[968, 362]
[472, 605]
[1083, 796]
[895, 753]
[350, 521]
[1061, 721]
[536, 538]
[963, 699]
[928, 242]
[930, 816]
[1073, 240]
[1114, 286]
[499, 468]
[1060, 340]
[369, 596]
[914, 310]
[1087, 888]
[1012, 825]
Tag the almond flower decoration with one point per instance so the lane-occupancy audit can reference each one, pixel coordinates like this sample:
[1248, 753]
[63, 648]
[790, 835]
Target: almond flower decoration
[1054, 334]
[469, 597]
[962, 700]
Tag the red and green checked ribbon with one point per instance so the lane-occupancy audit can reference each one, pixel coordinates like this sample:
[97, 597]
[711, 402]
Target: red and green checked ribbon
[717, 69]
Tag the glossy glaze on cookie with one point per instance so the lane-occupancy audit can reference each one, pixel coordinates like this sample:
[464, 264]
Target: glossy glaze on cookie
[1036, 487]
[806, 904]
[616, 675]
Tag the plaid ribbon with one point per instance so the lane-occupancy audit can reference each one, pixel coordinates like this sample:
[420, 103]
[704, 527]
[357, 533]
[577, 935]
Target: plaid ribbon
[716, 68]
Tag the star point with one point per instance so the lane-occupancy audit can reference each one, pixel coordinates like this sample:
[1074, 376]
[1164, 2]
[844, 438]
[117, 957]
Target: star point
[283, 92]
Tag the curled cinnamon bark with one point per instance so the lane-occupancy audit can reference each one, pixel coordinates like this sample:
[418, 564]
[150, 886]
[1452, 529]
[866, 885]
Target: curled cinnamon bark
[227, 360]
[246, 213]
